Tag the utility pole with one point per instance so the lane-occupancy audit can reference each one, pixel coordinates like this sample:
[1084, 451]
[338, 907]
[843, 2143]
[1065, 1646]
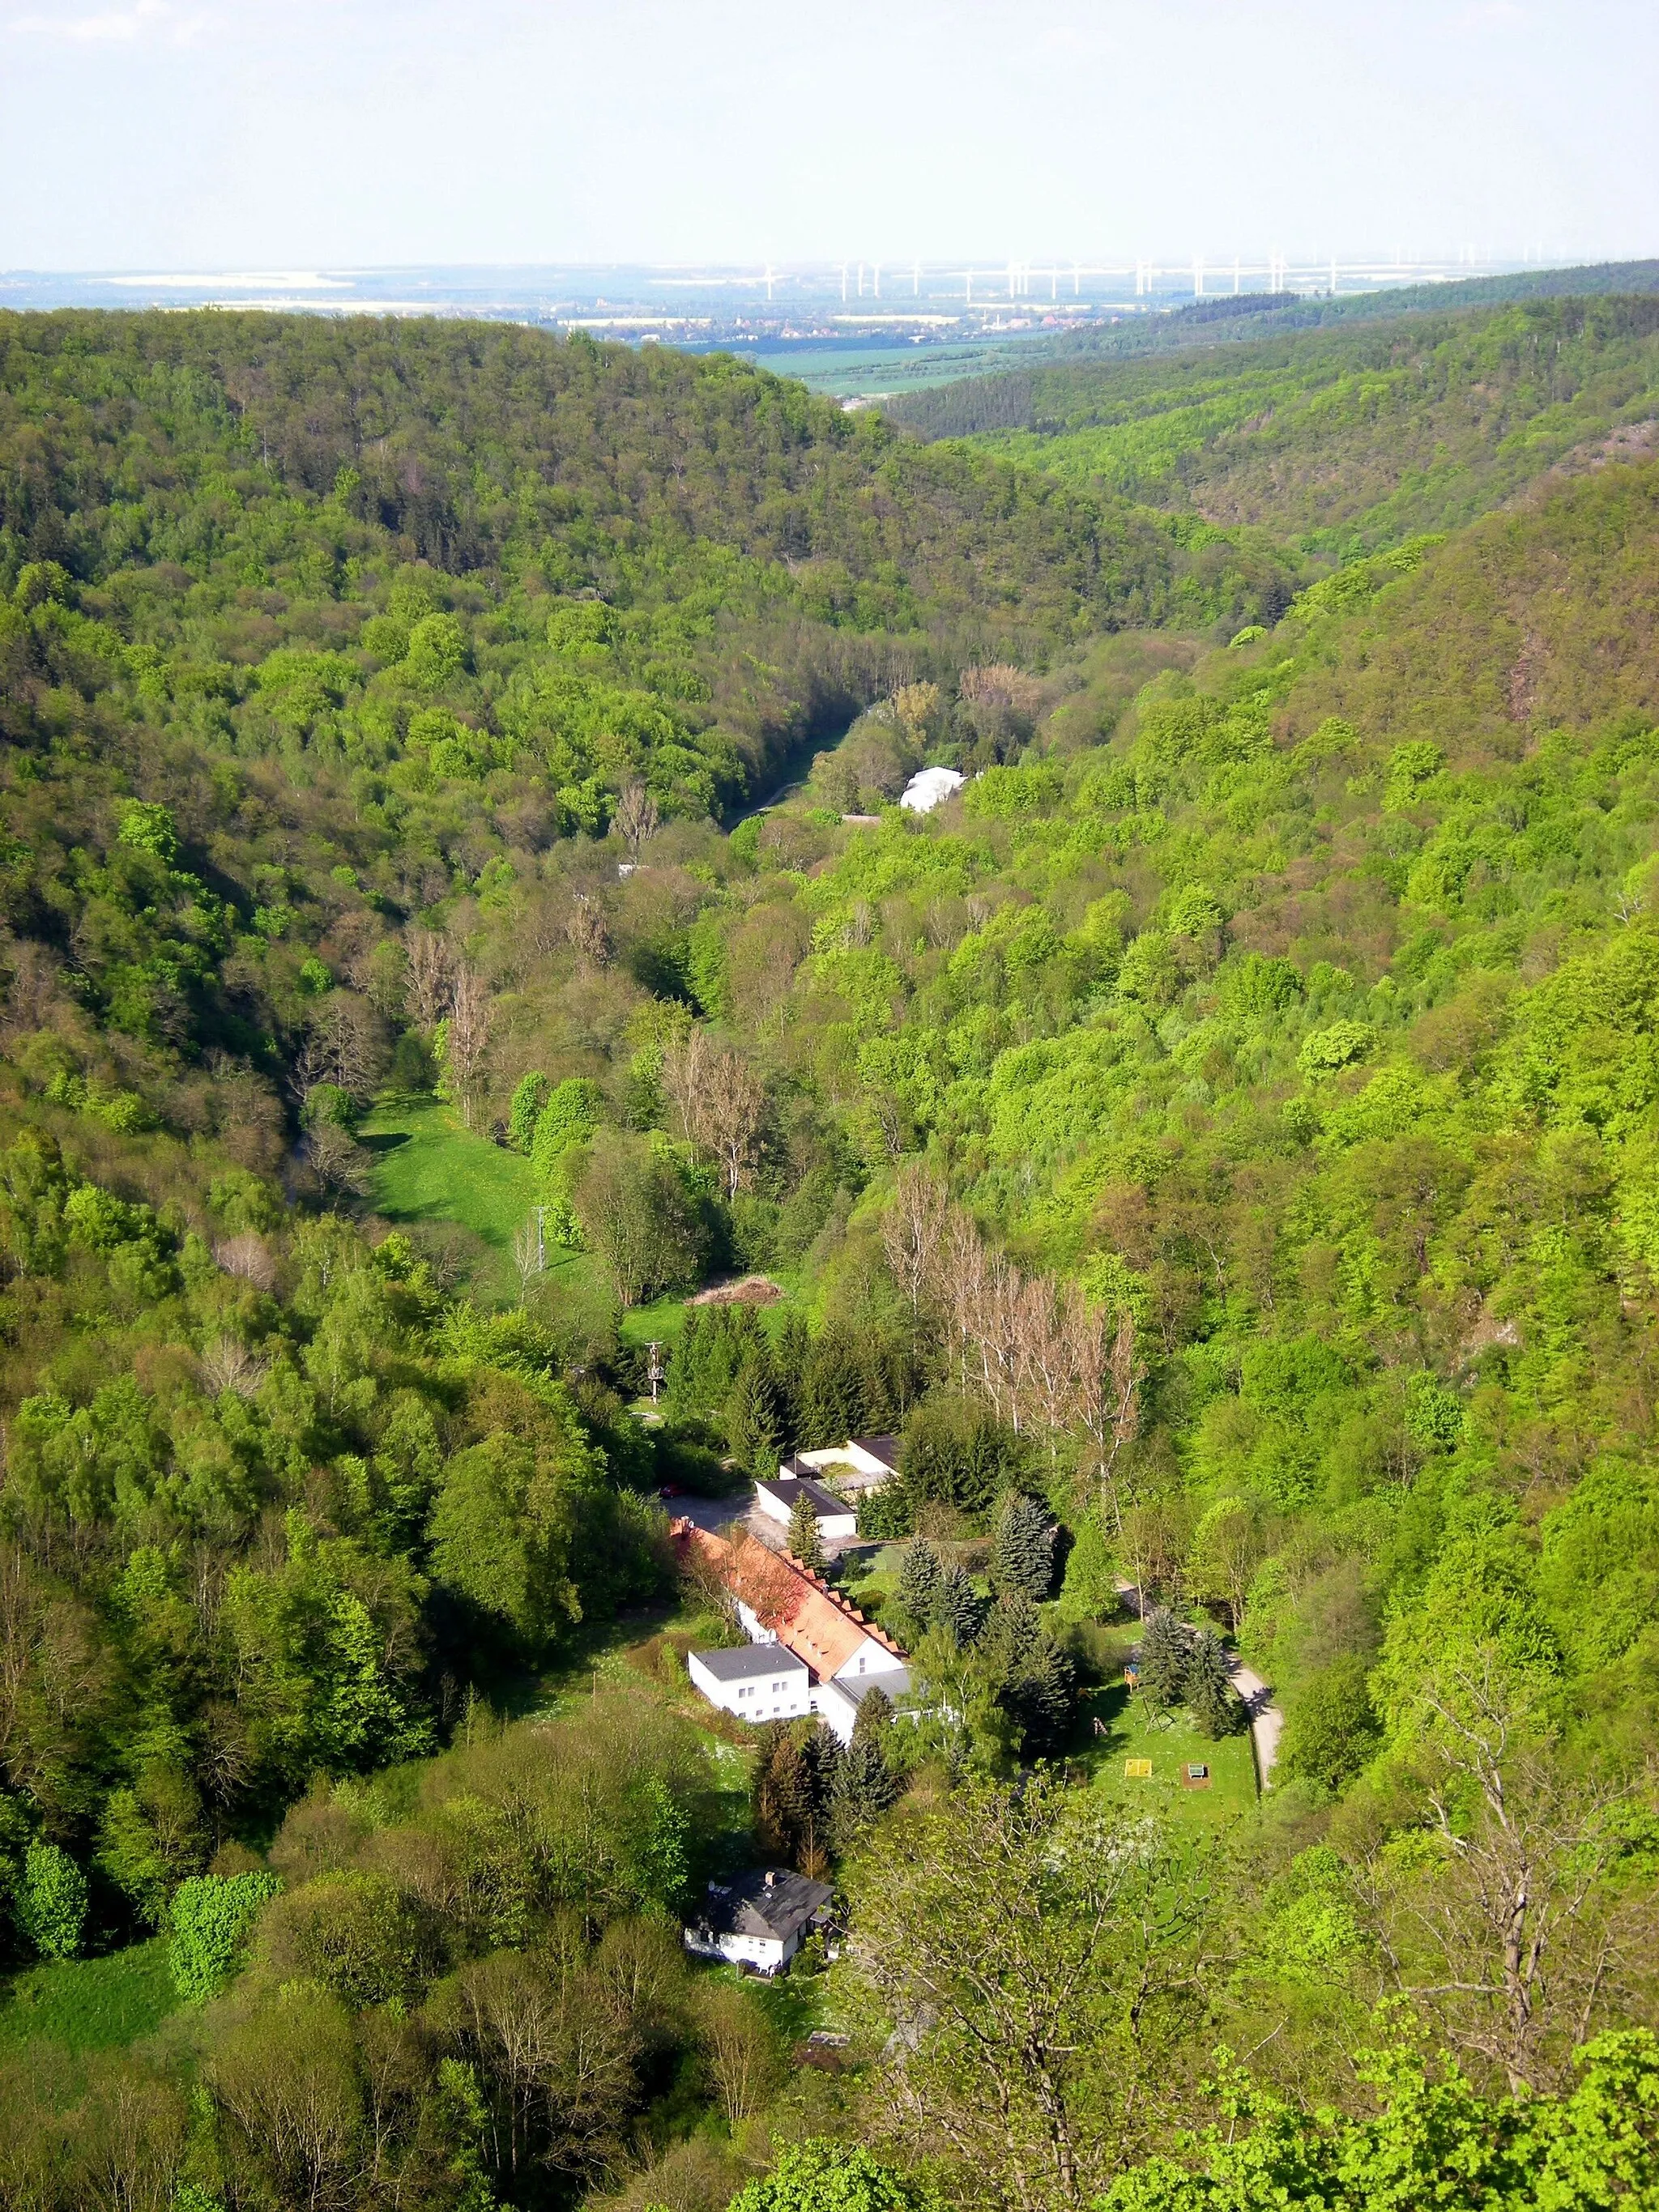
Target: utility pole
[654, 1370]
[877, 280]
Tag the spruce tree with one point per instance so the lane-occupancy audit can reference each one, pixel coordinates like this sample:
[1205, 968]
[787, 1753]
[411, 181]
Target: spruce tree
[955, 1605]
[790, 1354]
[832, 1390]
[919, 1580]
[804, 1539]
[875, 1716]
[1210, 1696]
[1023, 1547]
[784, 1806]
[865, 1787]
[752, 1427]
[1164, 1659]
[1032, 1678]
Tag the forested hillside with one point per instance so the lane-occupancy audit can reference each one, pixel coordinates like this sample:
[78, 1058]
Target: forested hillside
[1221, 1143]
[1346, 438]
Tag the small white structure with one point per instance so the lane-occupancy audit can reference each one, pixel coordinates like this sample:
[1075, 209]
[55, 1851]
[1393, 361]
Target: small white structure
[861, 1463]
[759, 1919]
[928, 787]
[838, 1522]
[756, 1681]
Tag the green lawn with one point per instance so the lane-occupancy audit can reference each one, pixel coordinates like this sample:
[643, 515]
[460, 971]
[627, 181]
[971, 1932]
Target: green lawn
[1131, 1731]
[89, 2004]
[428, 1168]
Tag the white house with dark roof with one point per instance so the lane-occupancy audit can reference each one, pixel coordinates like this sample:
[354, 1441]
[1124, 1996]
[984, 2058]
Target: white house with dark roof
[838, 1522]
[756, 1681]
[759, 1919]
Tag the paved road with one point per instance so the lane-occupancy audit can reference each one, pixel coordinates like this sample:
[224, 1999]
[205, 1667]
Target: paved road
[1267, 1720]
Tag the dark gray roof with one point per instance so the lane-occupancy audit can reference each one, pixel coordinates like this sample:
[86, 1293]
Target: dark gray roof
[895, 1684]
[746, 1663]
[885, 1449]
[766, 1901]
[788, 1488]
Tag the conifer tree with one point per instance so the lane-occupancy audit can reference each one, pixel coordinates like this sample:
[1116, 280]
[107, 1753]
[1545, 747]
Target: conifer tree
[791, 1353]
[1164, 1659]
[832, 1390]
[919, 1580]
[1209, 1692]
[752, 1427]
[784, 1805]
[804, 1539]
[1023, 1547]
[1034, 1680]
[865, 1787]
[955, 1605]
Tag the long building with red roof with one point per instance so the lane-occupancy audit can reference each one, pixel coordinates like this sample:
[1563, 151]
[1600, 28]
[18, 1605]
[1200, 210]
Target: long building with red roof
[780, 1601]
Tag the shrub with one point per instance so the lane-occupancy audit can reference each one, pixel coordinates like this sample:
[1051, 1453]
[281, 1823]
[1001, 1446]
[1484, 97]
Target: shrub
[211, 1915]
[52, 1901]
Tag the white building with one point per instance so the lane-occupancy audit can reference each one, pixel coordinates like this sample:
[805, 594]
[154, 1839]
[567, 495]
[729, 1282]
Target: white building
[756, 1681]
[838, 1522]
[759, 1919]
[861, 1463]
[928, 787]
[786, 1611]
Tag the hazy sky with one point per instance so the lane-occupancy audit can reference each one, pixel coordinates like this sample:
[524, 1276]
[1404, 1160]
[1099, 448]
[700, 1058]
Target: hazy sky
[289, 134]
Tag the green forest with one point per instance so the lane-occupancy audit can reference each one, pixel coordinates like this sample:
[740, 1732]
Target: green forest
[456, 913]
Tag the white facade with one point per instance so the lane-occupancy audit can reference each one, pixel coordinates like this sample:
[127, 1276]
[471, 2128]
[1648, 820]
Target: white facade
[758, 1682]
[928, 787]
[872, 1666]
[776, 1499]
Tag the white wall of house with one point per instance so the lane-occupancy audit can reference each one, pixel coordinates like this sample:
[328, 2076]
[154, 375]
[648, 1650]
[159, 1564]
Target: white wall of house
[782, 1696]
[834, 1527]
[870, 1658]
[766, 1952]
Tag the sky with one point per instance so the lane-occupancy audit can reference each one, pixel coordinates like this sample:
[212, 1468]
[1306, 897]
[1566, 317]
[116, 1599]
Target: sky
[163, 134]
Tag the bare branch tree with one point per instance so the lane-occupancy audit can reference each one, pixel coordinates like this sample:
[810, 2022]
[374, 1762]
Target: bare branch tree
[636, 816]
[912, 1230]
[466, 1040]
[587, 933]
[429, 978]
[1527, 1943]
[722, 1106]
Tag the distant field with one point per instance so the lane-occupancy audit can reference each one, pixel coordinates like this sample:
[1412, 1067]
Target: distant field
[428, 1168]
[859, 369]
[89, 2004]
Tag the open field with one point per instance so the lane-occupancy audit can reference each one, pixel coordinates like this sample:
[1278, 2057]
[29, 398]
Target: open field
[428, 1168]
[89, 2004]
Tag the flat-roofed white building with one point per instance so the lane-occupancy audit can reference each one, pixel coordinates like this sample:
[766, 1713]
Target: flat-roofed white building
[861, 1463]
[838, 1522]
[756, 1681]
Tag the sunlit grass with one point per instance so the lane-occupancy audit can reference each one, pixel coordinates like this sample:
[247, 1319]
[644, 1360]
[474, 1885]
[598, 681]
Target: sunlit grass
[89, 2004]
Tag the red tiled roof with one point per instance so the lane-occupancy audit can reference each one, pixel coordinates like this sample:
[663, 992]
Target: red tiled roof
[806, 1615]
